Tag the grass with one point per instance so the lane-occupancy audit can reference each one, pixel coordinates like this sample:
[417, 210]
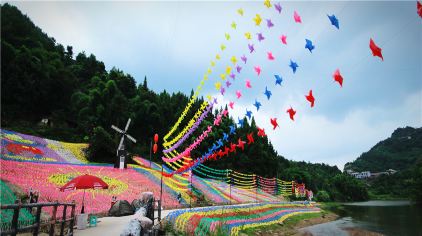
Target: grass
[287, 225]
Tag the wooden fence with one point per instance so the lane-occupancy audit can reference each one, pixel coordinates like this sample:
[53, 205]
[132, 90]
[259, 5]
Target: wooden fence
[34, 227]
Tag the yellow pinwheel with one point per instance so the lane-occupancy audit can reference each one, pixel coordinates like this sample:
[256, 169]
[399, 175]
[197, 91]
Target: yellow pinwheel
[257, 19]
[223, 76]
[240, 11]
[209, 97]
[212, 63]
[217, 86]
[233, 25]
[233, 60]
[227, 36]
[209, 71]
[217, 57]
[206, 77]
[223, 47]
[228, 70]
[248, 35]
[267, 3]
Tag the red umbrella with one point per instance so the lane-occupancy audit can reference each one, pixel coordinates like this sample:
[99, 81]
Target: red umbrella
[84, 182]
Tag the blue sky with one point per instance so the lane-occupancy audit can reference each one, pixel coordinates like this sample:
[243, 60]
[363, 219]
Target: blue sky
[172, 43]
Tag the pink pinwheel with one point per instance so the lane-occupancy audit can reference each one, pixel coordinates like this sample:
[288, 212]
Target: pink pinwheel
[297, 17]
[283, 39]
[270, 56]
[257, 70]
[231, 105]
[238, 94]
[248, 84]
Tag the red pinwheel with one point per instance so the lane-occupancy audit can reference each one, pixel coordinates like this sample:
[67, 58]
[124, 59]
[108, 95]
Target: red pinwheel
[250, 138]
[274, 123]
[419, 8]
[232, 147]
[338, 78]
[241, 144]
[292, 113]
[376, 51]
[226, 151]
[310, 98]
[84, 182]
[261, 132]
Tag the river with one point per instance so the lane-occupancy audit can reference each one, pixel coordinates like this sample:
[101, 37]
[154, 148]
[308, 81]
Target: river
[393, 218]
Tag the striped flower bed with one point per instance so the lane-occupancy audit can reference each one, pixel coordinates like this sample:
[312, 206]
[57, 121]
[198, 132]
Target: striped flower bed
[202, 221]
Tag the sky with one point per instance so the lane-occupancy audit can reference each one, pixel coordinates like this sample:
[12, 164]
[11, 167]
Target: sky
[172, 44]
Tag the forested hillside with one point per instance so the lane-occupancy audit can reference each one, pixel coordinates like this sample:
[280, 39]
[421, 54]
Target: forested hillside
[43, 79]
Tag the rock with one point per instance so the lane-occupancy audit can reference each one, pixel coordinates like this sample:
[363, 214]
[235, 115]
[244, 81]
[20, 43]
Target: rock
[121, 208]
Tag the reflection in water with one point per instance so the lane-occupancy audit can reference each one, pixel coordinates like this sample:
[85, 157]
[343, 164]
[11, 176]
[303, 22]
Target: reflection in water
[385, 217]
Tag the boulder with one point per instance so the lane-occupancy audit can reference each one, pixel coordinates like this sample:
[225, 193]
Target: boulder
[121, 208]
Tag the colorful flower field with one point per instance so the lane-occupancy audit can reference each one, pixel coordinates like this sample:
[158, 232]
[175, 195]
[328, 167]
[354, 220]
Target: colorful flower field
[232, 219]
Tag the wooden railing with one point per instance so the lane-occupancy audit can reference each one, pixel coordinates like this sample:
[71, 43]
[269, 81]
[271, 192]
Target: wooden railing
[36, 225]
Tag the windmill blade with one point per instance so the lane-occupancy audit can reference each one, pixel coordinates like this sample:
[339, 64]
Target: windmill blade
[121, 142]
[127, 125]
[117, 129]
[131, 138]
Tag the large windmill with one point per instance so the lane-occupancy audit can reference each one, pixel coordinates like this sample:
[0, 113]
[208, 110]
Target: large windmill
[121, 152]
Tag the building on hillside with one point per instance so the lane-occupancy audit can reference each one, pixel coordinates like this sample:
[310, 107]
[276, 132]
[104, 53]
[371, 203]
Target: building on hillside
[360, 175]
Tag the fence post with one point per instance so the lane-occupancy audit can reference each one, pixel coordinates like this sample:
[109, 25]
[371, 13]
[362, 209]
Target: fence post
[53, 219]
[72, 220]
[63, 220]
[38, 220]
[16, 217]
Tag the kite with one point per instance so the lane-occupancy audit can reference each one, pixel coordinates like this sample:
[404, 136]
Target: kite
[267, 3]
[238, 94]
[238, 69]
[241, 144]
[283, 39]
[240, 122]
[260, 37]
[269, 23]
[270, 56]
[223, 47]
[233, 76]
[257, 70]
[310, 98]
[257, 105]
[248, 36]
[251, 48]
[222, 90]
[309, 45]
[267, 93]
[274, 123]
[261, 132]
[240, 11]
[250, 138]
[227, 36]
[338, 78]
[334, 21]
[244, 58]
[419, 8]
[376, 51]
[217, 85]
[297, 17]
[257, 19]
[231, 105]
[233, 60]
[293, 65]
[292, 113]
[228, 84]
[277, 7]
[233, 25]
[248, 84]
[249, 114]
[278, 80]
